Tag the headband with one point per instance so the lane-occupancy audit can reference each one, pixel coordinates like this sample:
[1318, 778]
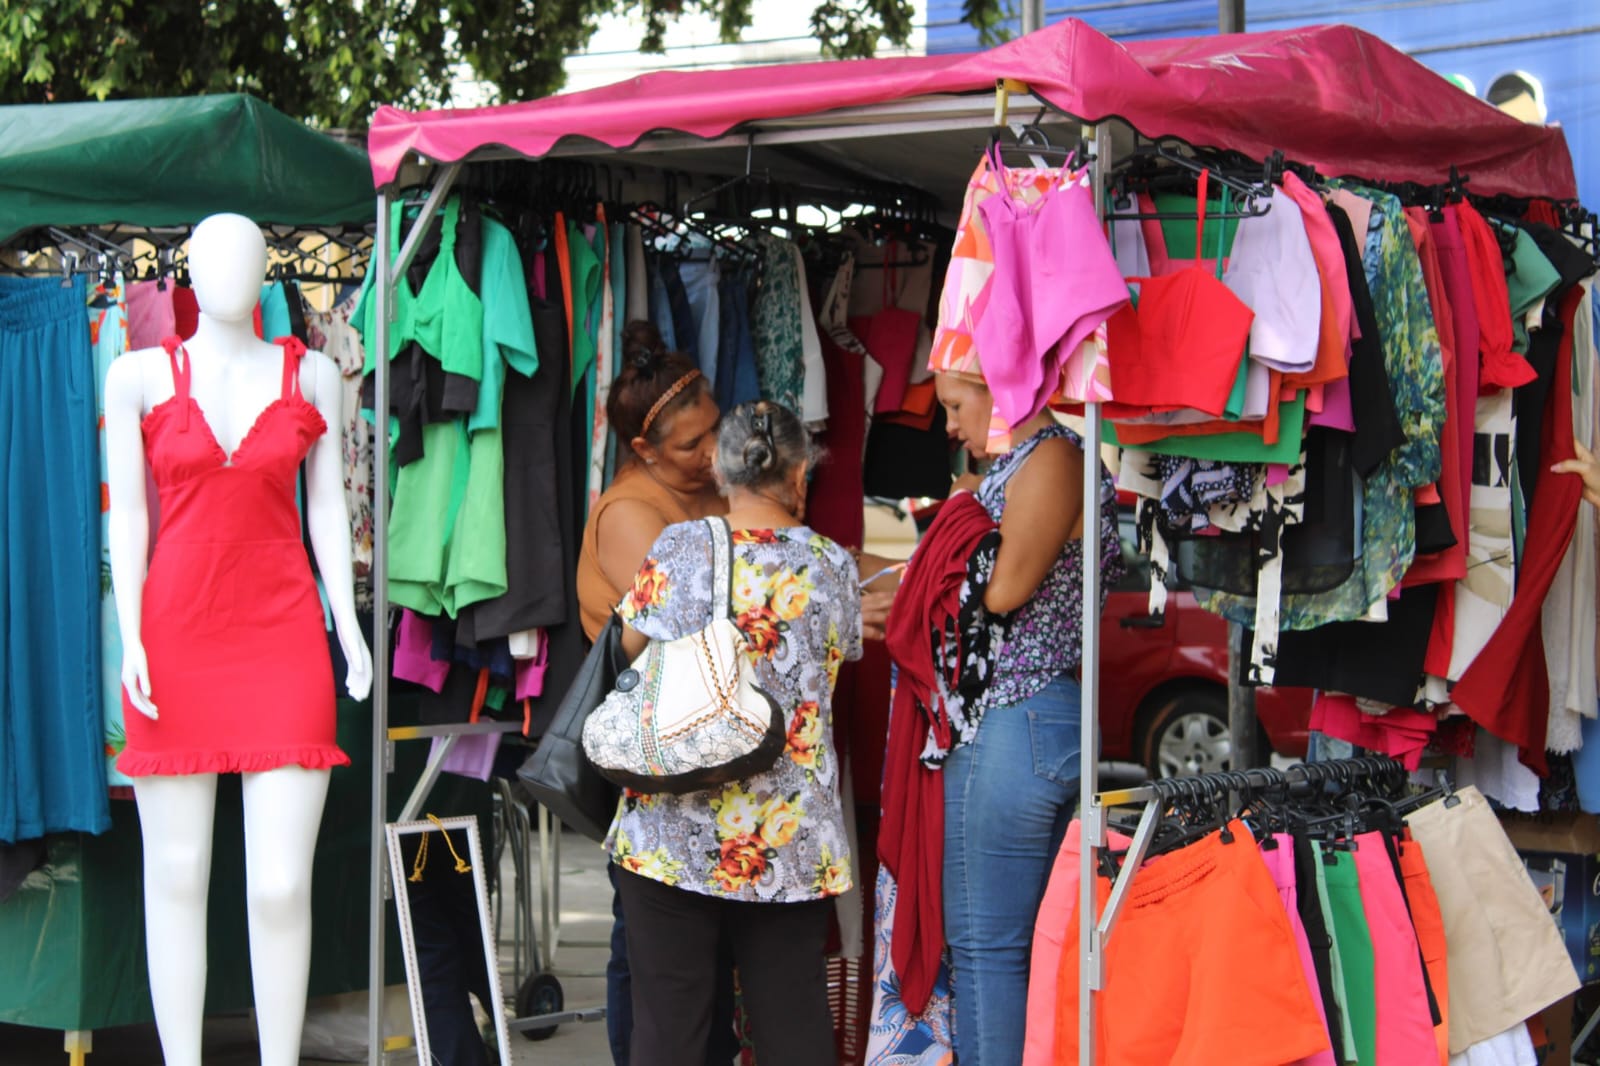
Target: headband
[666, 398]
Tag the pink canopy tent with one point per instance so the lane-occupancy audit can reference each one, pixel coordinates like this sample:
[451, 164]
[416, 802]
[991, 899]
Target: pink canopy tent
[1331, 96]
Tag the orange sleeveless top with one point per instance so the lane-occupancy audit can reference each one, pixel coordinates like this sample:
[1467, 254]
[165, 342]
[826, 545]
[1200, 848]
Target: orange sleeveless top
[597, 596]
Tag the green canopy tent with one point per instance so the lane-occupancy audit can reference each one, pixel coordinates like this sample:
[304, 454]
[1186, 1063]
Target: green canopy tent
[171, 162]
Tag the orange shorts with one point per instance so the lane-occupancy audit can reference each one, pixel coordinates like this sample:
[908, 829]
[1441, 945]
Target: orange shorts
[1429, 924]
[1202, 968]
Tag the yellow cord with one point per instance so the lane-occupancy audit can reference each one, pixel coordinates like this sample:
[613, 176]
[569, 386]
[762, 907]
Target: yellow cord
[421, 860]
[462, 866]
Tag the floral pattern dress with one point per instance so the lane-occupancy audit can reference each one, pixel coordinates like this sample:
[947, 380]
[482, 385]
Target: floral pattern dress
[332, 334]
[777, 324]
[777, 837]
[108, 336]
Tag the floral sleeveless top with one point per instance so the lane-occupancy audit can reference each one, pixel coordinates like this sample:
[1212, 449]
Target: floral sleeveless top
[1044, 637]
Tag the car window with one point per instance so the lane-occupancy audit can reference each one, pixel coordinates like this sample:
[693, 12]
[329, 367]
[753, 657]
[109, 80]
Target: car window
[1136, 565]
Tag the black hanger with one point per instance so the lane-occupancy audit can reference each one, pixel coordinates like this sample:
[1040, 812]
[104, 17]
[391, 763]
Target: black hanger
[1163, 160]
[1034, 143]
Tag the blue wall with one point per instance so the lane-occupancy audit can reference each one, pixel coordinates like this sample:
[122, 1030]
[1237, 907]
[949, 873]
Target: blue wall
[1557, 41]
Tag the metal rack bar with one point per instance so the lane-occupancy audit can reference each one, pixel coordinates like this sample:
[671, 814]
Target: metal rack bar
[377, 912]
[382, 736]
[975, 111]
[1089, 728]
[1120, 888]
[430, 776]
[465, 729]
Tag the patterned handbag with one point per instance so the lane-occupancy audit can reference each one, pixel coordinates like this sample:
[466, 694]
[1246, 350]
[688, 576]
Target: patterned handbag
[687, 714]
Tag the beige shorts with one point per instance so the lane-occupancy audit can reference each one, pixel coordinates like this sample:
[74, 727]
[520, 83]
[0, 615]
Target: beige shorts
[1506, 958]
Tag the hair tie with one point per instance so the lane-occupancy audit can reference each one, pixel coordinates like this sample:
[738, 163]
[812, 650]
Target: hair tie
[666, 398]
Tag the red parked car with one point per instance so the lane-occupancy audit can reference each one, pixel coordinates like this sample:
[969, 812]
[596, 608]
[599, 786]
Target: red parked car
[1163, 682]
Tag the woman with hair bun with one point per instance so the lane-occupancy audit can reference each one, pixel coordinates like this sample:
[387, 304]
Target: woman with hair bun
[753, 863]
[661, 409]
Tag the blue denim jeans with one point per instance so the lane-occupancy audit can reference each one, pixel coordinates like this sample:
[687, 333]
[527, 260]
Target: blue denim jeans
[702, 287]
[1008, 797]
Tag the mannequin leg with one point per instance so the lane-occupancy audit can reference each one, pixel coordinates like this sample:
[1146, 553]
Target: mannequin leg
[175, 820]
[282, 812]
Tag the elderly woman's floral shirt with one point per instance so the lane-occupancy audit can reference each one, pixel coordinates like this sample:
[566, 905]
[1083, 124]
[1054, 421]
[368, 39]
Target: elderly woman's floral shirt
[778, 836]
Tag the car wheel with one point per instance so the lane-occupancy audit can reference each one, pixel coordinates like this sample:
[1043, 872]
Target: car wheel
[1188, 735]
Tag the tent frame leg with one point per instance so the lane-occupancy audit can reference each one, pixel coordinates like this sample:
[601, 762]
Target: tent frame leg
[1091, 942]
[389, 268]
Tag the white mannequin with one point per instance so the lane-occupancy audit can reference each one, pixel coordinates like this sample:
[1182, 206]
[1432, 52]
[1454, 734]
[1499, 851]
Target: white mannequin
[235, 376]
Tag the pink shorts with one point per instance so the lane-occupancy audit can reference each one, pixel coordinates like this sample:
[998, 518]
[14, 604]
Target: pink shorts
[1280, 862]
[1059, 907]
[1405, 1025]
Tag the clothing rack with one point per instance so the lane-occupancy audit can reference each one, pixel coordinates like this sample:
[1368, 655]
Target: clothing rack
[316, 255]
[388, 265]
[1157, 796]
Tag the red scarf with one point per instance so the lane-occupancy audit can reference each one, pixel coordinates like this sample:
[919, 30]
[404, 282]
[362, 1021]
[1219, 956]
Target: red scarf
[911, 838]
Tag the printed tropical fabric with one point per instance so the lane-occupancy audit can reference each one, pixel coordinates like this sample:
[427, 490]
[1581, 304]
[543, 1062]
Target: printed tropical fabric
[779, 836]
[895, 1036]
[775, 327]
[1415, 366]
[332, 334]
[108, 336]
[966, 656]
[1044, 637]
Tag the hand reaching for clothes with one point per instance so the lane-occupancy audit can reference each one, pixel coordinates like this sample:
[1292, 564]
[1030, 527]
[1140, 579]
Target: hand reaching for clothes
[1585, 466]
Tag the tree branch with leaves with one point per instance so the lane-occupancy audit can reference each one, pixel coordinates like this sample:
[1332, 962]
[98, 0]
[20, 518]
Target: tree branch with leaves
[332, 62]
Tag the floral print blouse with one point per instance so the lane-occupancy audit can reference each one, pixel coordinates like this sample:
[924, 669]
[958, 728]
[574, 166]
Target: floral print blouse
[777, 837]
[1044, 637]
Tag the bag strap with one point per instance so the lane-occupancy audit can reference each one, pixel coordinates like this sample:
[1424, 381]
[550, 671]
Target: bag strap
[721, 569]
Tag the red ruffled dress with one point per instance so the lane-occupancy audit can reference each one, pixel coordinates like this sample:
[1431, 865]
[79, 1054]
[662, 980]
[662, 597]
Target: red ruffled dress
[232, 624]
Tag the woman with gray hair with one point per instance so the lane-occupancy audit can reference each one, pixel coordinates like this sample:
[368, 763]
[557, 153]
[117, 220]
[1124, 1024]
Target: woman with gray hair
[756, 861]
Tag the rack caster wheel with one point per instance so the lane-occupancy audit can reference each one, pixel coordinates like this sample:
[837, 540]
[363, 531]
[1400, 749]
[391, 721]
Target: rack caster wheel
[540, 994]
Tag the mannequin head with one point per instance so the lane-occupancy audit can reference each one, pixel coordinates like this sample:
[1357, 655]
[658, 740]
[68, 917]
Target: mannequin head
[227, 264]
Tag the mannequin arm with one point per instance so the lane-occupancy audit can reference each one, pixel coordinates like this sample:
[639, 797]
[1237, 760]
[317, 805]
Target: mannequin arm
[128, 521]
[328, 518]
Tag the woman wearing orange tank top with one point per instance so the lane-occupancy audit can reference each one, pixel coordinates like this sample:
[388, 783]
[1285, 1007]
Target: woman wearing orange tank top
[661, 410]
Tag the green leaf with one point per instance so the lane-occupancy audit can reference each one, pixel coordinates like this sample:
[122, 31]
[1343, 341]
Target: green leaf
[332, 61]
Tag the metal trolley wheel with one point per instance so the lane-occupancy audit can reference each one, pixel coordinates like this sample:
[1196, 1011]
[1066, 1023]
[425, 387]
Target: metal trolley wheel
[539, 995]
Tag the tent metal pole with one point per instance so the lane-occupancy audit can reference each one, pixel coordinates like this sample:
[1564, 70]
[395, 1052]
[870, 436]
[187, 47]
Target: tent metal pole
[377, 910]
[1230, 16]
[1032, 15]
[430, 207]
[1092, 825]
[977, 117]
[389, 274]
